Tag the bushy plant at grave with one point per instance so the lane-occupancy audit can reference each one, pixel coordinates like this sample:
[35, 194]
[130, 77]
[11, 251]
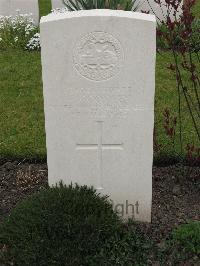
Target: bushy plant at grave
[124, 248]
[127, 5]
[65, 226]
[18, 32]
[184, 243]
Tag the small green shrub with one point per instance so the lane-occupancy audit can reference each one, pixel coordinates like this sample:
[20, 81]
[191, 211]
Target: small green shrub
[124, 248]
[184, 244]
[18, 32]
[66, 226]
[187, 237]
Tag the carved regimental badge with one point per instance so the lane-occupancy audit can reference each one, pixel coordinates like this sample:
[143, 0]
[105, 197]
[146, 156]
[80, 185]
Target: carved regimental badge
[98, 56]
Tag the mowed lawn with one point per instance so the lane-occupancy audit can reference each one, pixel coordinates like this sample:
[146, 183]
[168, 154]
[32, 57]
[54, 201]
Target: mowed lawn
[22, 133]
[21, 109]
[44, 6]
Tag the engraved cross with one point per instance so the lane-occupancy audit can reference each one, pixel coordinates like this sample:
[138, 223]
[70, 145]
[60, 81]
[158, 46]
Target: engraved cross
[100, 146]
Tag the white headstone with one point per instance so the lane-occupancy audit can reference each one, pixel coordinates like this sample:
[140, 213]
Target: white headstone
[14, 7]
[57, 4]
[98, 78]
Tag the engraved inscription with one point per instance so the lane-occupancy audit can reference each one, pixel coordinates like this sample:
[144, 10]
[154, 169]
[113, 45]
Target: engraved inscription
[98, 56]
[98, 103]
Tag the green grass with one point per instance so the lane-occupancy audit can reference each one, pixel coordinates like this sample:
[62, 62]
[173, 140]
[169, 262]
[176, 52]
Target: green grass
[45, 7]
[183, 245]
[21, 110]
[196, 10]
[167, 97]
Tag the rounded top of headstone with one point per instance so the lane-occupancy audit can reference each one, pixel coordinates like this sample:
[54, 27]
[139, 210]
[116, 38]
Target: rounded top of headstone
[98, 13]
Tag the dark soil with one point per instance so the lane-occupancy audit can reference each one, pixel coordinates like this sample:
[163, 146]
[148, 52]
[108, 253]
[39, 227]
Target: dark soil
[176, 199]
[18, 181]
[176, 194]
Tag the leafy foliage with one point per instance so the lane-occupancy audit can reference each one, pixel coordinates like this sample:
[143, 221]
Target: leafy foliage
[187, 237]
[181, 36]
[195, 36]
[125, 247]
[128, 5]
[178, 40]
[184, 243]
[16, 31]
[65, 226]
